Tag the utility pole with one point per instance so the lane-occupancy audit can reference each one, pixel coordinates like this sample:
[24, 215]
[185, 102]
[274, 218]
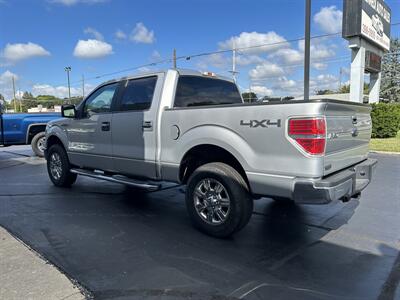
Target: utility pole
[68, 69]
[83, 86]
[20, 99]
[340, 77]
[307, 44]
[174, 58]
[15, 100]
[234, 72]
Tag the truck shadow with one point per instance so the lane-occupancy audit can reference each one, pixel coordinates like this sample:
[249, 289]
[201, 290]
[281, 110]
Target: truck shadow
[128, 245]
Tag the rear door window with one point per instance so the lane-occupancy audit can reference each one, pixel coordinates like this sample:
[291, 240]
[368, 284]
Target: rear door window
[138, 94]
[199, 91]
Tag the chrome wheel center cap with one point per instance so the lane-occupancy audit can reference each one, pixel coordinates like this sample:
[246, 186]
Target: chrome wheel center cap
[211, 201]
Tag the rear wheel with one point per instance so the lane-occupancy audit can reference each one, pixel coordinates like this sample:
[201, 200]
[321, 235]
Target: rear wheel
[58, 167]
[217, 200]
[38, 144]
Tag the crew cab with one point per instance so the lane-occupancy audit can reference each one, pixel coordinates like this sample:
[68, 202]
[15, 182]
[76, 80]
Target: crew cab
[25, 129]
[194, 129]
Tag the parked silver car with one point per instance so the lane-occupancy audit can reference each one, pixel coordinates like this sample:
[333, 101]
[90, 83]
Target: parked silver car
[192, 128]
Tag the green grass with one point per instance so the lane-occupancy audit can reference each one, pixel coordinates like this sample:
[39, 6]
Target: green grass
[389, 145]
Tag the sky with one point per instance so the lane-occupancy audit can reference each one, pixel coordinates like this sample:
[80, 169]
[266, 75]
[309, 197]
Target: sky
[105, 39]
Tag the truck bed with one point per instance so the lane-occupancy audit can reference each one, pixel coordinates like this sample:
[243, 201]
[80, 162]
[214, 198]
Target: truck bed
[267, 148]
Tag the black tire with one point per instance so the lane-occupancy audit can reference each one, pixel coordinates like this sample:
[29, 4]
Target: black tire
[37, 143]
[241, 203]
[66, 178]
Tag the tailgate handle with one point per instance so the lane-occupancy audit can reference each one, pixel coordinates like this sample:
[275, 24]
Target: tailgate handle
[354, 119]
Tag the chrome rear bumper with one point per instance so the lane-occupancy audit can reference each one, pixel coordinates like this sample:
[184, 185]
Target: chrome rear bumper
[339, 186]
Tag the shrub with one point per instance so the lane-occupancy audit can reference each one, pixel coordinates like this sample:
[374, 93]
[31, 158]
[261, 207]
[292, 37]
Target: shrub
[385, 120]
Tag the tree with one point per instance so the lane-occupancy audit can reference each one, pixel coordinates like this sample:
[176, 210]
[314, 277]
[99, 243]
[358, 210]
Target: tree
[46, 97]
[390, 84]
[345, 89]
[324, 92]
[249, 97]
[1, 97]
[27, 95]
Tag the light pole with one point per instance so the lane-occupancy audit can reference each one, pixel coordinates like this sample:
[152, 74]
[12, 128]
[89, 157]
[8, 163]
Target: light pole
[68, 69]
[307, 39]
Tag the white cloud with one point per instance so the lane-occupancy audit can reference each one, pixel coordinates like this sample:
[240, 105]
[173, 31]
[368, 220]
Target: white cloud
[283, 83]
[244, 60]
[288, 56]
[319, 66]
[73, 2]
[266, 70]
[326, 78]
[6, 84]
[251, 39]
[7, 76]
[324, 82]
[261, 91]
[217, 60]
[119, 34]
[92, 49]
[59, 91]
[97, 35]
[318, 51]
[329, 19]
[140, 34]
[20, 51]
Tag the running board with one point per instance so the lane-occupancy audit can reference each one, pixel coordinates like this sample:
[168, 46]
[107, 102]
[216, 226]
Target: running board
[150, 187]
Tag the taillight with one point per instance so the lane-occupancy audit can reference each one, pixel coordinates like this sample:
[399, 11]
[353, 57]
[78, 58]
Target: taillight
[309, 134]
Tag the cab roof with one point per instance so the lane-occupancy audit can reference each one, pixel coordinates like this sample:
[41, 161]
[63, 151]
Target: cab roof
[181, 72]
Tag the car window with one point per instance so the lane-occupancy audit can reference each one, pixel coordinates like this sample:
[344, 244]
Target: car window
[197, 91]
[138, 94]
[100, 101]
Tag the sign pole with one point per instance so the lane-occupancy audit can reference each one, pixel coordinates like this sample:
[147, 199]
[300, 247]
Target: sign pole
[366, 25]
[357, 72]
[374, 87]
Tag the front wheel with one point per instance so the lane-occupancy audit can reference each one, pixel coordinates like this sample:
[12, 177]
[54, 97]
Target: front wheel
[38, 144]
[218, 200]
[58, 167]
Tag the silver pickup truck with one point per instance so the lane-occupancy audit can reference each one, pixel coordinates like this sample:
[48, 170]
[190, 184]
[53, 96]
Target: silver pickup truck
[193, 128]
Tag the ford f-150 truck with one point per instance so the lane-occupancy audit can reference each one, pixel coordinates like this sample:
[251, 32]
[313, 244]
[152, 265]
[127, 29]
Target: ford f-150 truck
[194, 129]
[25, 129]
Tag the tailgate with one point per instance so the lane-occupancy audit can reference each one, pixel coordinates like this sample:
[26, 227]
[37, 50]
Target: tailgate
[348, 134]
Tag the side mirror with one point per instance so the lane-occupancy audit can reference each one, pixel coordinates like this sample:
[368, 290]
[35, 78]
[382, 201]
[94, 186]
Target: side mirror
[68, 111]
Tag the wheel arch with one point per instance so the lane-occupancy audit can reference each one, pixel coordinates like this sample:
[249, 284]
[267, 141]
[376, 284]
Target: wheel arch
[206, 153]
[53, 140]
[34, 129]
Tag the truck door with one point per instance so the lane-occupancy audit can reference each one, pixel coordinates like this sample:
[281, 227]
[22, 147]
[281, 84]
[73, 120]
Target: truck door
[134, 126]
[89, 137]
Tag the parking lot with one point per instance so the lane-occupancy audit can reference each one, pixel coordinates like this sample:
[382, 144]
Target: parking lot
[120, 245]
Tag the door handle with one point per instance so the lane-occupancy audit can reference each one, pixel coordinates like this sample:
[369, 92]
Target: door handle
[105, 126]
[147, 125]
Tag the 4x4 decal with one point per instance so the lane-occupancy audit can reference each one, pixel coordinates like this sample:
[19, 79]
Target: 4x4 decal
[261, 123]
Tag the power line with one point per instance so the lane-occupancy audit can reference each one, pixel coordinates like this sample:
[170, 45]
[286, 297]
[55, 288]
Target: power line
[188, 57]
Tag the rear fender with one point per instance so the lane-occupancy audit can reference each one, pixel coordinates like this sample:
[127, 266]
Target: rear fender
[218, 136]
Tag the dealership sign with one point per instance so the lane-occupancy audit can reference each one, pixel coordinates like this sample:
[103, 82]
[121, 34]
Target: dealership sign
[369, 19]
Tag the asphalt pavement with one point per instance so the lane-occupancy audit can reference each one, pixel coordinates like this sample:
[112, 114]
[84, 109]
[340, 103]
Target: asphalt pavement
[121, 245]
